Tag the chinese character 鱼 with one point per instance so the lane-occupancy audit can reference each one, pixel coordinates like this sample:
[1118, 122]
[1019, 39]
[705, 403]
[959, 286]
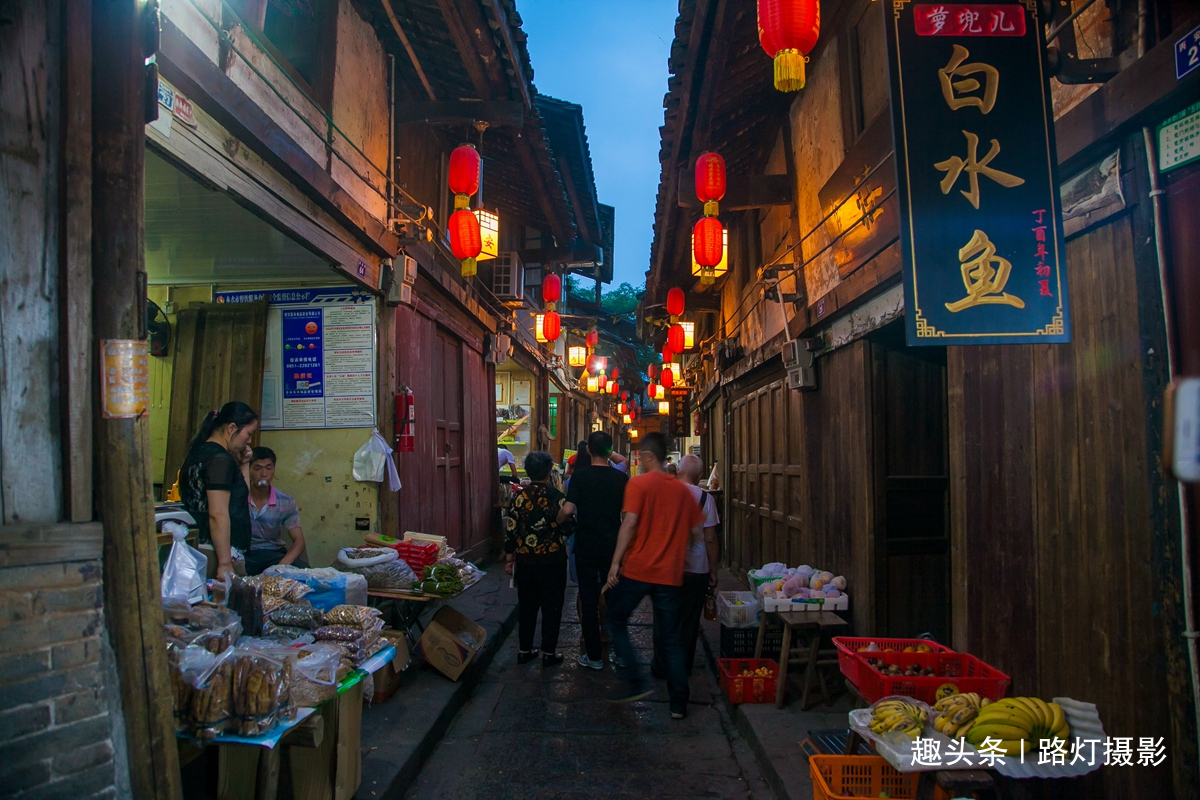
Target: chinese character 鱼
[955, 166]
[983, 281]
[957, 92]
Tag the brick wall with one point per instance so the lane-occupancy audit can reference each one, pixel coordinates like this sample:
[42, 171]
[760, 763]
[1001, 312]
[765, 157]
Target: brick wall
[56, 731]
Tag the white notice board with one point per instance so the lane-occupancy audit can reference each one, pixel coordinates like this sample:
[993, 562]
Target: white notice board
[319, 370]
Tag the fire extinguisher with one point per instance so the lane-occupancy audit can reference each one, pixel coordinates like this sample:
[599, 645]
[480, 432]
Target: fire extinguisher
[406, 421]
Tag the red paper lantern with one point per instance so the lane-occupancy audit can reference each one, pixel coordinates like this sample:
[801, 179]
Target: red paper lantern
[675, 301]
[551, 326]
[668, 355]
[465, 241]
[675, 338]
[668, 380]
[464, 170]
[652, 371]
[616, 373]
[551, 288]
[651, 389]
[602, 380]
[592, 338]
[624, 396]
[710, 181]
[708, 242]
[788, 30]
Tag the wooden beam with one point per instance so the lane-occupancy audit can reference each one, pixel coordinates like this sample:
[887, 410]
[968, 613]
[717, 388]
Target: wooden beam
[50, 543]
[511, 48]
[548, 255]
[193, 73]
[132, 596]
[529, 164]
[465, 42]
[714, 70]
[408, 48]
[742, 191]
[494, 112]
[584, 229]
[789, 154]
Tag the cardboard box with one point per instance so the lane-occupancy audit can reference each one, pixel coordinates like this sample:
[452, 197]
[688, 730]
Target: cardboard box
[442, 647]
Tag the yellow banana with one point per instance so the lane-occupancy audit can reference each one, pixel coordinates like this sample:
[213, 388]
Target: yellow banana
[1057, 718]
[998, 731]
[1014, 747]
[985, 702]
[1014, 716]
[963, 730]
[914, 732]
[1035, 712]
[940, 723]
[963, 714]
[1045, 710]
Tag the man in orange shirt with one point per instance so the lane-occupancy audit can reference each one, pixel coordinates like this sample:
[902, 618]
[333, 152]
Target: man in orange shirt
[660, 515]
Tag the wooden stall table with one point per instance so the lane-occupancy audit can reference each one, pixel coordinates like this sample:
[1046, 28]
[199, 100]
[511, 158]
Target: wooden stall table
[402, 608]
[814, 625]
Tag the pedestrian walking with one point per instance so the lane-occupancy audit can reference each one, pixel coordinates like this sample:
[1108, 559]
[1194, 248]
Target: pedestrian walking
[536, 555]
[660, 515]
[700, 564]
[594, 497]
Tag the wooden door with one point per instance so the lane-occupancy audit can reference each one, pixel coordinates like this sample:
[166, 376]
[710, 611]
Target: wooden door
[912, 574]
[219, 352]
[448, 434]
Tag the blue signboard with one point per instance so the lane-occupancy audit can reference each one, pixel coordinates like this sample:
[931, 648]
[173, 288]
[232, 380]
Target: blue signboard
[302, 357]
[1187, 53]
[981, 223]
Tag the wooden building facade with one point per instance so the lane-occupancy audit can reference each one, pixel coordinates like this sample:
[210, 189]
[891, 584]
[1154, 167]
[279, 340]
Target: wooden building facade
[1004, 499]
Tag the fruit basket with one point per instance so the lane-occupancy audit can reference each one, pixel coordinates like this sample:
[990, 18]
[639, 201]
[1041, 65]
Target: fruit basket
[848, 648]
[741, 688]
[956, 672]
[737, 609]
[842, 777]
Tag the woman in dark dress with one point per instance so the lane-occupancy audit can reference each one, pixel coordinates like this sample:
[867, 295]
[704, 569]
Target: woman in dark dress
[212, 486]
[536, 546]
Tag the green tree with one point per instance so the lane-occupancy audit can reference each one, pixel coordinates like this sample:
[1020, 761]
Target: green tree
[622, 300]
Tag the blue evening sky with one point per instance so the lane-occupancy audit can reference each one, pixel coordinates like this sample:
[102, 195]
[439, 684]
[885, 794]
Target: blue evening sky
[611, 58]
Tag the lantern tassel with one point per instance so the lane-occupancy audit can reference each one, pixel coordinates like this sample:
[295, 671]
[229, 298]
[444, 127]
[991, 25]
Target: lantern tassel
[789, 70]
[469, 268]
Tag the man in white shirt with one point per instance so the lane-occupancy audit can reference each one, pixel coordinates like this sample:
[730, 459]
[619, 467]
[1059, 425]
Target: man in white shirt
[506, 458]
[700, 564]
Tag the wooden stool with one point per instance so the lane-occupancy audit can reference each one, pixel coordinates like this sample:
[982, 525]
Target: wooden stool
[815, 625]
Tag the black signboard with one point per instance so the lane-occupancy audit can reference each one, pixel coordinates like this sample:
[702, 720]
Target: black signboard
[981, 224]
[680, 420]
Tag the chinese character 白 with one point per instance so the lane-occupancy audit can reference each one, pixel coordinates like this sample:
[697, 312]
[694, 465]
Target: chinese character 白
[955, 166]
[983, 281]
[958, 92]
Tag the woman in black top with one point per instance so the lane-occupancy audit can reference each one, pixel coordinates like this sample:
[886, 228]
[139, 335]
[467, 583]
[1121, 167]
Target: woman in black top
[212, 486]
[536, 545]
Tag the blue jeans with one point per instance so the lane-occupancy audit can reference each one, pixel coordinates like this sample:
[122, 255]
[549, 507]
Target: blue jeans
[622, 600]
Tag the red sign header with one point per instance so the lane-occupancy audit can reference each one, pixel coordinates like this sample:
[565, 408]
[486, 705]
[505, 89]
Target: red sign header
[982, 19]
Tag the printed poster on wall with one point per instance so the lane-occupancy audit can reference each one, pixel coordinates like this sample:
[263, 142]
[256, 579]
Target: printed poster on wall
[320, 363]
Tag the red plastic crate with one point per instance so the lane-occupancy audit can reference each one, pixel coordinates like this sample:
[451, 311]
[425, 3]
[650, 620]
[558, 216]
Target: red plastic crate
[848, 646]
[841, 777]
[755, 689]
[966, 672]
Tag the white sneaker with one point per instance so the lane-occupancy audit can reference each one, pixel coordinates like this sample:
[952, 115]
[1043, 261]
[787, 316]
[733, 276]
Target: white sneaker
[584, 661]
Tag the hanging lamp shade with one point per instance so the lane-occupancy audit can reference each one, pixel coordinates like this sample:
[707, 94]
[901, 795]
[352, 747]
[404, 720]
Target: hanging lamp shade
[652, 371]
[602, 380]
[708, 242]
[668, 378]
[592, 338]
[576, 355]
[551, 326]
[593, 383]
[651, 389]
[633, 434]
[709, 275]
[624, 395]
[664, 407]
[689, 335]
[551, 289]
[622, 408]
[464, 170]
[627, 420]
[675, 300]
[675, 338]
[616, 373]
[788, 30]
[668, 355]
[660, 392]
[465, 241]
[613, 386]
[710, 181]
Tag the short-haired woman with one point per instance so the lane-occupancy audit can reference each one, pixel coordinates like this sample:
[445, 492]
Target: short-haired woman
[212, 486]
[535, 544]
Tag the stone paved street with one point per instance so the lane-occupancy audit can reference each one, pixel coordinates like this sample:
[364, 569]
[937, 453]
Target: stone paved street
[531, 732]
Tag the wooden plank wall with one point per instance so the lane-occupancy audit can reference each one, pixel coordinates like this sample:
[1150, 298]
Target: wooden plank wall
[1052, 517]
[800, 476]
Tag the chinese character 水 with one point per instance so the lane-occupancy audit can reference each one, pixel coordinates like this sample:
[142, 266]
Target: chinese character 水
[957, 93]
[983, 281]
[955, 166]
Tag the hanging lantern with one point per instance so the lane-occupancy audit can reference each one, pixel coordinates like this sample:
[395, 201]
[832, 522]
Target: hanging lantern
[788, 30]
[710, 181]
[709, 275]
[576, 355]
[675, 301]
[598, 364]
[613, 387]
[708, 241]
[627, 420]
[489, 234]
[633, 434]
[602, 381]
[651, 388]
[668, 377]
[624, 396]
[551, 326]
[464, 239]
[464, 170]
[551, 290]
[660, 392]
[622, 408]
[677, 371]
[668, 355]
[593, 383]
[675, 337]
[689, 335]
[616, 373]
[539, 328]
[652, 371]
[592, 338]
[664, 407]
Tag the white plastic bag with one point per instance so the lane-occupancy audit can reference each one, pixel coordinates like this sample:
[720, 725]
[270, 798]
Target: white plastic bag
[373, 462]
[183, 575]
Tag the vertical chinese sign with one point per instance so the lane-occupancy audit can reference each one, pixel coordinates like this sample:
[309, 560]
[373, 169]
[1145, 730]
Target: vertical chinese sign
[680, 421]
[981, 224]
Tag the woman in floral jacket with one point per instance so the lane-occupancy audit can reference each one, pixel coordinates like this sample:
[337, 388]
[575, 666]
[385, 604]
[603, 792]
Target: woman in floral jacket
[535, 544]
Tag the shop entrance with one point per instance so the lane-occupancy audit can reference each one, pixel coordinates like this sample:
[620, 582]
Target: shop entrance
[448, 441]
[912, 531]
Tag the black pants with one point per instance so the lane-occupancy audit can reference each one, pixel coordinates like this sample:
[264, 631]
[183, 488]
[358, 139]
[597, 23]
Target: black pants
[691, 608]
[592, 574]
[540, 587]
[258, 560]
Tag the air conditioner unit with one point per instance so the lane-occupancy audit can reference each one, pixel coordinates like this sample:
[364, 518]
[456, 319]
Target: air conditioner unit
[508, 278]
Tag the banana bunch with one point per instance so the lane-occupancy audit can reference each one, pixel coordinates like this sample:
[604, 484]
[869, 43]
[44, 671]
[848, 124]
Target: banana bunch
[1020, 723]
[958, 713]
[897, 715]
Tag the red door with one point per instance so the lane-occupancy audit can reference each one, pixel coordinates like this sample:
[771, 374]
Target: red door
[448, 440]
